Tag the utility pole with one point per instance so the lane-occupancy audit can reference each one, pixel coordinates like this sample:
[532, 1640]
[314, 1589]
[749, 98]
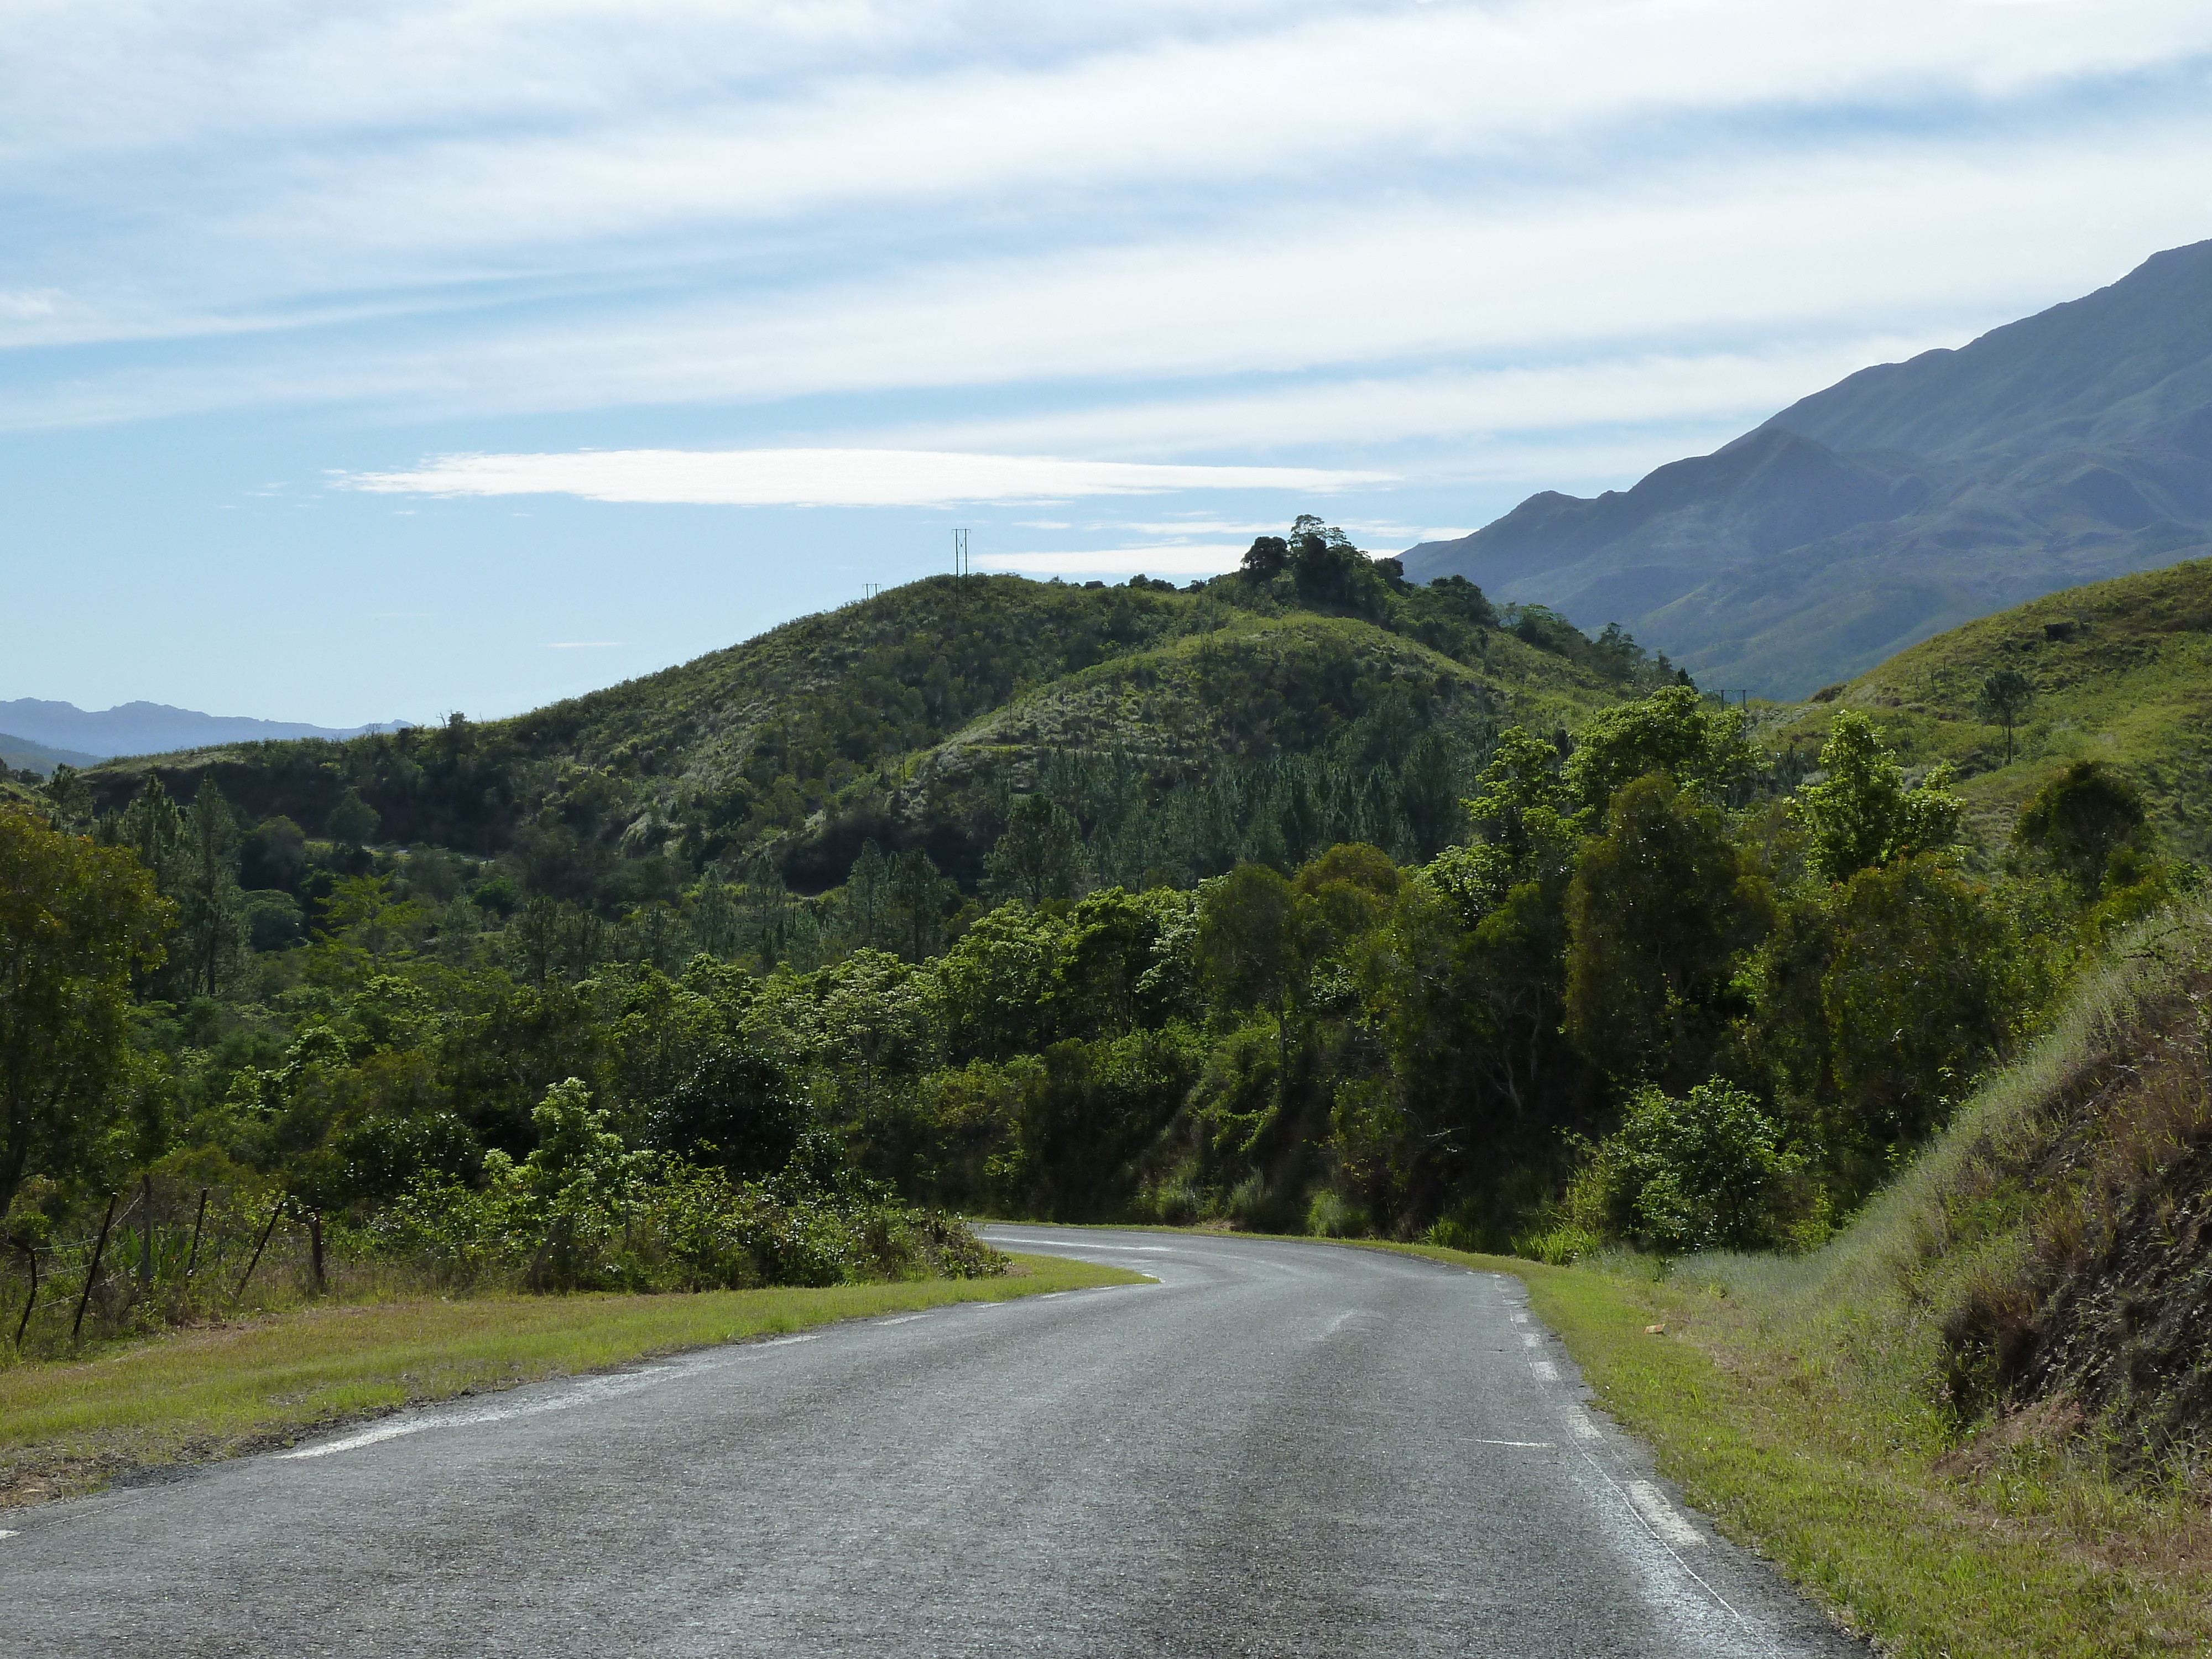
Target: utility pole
[960, 553]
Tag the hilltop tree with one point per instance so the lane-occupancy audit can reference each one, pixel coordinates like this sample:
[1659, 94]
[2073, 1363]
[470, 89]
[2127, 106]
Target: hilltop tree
[2002, 700]
[1266, 557]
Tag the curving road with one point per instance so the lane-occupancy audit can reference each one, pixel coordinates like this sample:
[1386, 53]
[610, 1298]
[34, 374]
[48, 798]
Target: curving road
[1278, 1448]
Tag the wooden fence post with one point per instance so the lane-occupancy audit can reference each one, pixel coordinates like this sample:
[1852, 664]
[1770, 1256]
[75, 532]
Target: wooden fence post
[146, 1231]
[263, 1245]
[198, 1221]
[30, 1254]
[93, 1272]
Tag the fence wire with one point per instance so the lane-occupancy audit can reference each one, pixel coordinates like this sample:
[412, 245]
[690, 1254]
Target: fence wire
[173, 1249]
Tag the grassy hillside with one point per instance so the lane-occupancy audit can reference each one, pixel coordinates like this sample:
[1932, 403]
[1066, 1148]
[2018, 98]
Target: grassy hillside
[2121, 672]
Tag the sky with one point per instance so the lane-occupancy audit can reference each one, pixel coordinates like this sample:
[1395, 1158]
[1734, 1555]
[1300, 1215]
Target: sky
[376, 362]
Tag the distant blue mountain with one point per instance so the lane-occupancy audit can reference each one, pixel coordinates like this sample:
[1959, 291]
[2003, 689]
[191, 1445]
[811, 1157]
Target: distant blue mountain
[2066, 448]
[22, 754]
[151, 728]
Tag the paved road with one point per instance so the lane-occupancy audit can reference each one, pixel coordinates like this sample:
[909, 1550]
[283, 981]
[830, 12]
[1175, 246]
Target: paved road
[1278, 1448]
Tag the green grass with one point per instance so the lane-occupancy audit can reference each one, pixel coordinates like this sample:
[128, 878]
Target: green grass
[2129, 685]
[213, 1392]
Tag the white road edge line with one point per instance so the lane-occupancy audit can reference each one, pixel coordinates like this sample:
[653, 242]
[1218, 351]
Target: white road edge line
[1544, 1371]
[1531, 1445]
[1085, 1244]
[1665, 1518]
[1644, 1521]
[10, 1534]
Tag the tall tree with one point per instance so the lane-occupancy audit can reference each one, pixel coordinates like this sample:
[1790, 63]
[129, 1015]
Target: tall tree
[75, 921]
[2002, 700]
[2080, 818]
[1040, 857]
[212, 931]
[1660, 908]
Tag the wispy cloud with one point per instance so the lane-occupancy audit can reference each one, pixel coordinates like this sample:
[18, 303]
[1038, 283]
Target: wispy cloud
[828, 477]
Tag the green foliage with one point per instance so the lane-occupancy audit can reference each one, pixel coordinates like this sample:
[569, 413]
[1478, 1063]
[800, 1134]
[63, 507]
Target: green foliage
[2118, 672]
[2004, 696]
[353, 820]
[1674, 731]
[740, 1109]
[2081, 820]
[76, 921]
[1291, 915]
[1709, 1172]
[1247, 939]
[1864, 814]
[1661, 908]
[1040, 857]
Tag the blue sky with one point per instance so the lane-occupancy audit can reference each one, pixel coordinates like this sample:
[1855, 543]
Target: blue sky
[373, 362]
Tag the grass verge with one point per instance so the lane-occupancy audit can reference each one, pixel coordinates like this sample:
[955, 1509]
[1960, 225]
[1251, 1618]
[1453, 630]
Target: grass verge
[2012, 1550]
[70, 1427]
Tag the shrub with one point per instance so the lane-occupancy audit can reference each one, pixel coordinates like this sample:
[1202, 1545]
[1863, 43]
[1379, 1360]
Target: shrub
[1708, 1172]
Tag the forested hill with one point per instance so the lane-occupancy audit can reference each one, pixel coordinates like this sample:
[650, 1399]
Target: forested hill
[1181, 729]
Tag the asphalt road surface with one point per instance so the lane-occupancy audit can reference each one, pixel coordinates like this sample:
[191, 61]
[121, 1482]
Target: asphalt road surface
[1277, 1449]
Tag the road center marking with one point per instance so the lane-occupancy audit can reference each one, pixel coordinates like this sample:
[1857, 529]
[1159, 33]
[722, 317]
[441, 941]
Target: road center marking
[1531, 1445]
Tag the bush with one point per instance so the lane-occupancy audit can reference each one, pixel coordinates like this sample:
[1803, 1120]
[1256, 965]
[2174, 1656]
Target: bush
[584, 1212]
[1708, 1172]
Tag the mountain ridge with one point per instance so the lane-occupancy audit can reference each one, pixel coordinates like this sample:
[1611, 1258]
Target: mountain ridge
[153, 728]
[2071, 447]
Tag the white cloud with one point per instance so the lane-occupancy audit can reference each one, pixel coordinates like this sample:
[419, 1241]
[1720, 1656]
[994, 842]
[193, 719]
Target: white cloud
[414, 135]
[828, 477]
[27, 304]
